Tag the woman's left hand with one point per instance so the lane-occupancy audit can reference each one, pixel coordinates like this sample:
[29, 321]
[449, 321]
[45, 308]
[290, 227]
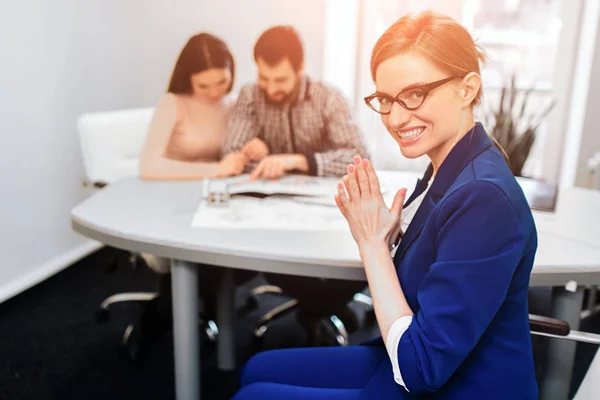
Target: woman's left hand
[360, 201]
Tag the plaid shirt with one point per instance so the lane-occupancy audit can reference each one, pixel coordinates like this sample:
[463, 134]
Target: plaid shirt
[318, 125]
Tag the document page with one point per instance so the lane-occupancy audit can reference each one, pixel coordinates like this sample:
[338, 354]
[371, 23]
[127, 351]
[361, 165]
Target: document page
[273, 212]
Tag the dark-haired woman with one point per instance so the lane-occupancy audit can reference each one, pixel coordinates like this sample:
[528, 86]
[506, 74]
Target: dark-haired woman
[190, 121]
[184, 143]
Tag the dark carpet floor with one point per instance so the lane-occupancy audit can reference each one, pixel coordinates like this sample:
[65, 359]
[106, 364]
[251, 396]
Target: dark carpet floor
[51, 346]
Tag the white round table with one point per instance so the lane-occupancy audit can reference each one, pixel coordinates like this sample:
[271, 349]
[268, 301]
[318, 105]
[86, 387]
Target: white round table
[155, 217]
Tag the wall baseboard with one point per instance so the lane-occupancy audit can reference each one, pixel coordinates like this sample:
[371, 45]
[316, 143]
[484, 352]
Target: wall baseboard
[48, 269]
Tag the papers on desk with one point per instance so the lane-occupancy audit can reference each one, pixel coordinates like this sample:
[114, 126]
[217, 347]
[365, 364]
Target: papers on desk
[273, 212]
[294, 202]
[295, 185]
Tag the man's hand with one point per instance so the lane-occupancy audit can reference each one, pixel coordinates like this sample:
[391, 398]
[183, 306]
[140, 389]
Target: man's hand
[232, 164]
[275, 166]
[255, 150]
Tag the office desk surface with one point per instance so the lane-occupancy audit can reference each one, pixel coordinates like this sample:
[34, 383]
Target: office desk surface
[155, 217]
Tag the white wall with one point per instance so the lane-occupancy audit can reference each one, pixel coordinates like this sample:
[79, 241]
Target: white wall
[64, 57]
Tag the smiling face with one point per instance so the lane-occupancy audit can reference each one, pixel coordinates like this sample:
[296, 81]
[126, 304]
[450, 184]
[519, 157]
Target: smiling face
[211, 84]
[437, 124]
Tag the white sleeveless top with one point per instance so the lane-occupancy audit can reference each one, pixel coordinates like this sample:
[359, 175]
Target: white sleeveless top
[409, 212]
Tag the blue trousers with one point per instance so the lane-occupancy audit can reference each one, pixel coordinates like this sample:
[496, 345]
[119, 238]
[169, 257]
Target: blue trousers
[332, 373]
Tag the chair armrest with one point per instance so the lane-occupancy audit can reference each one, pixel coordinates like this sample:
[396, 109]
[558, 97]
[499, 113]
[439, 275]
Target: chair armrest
[552, 326]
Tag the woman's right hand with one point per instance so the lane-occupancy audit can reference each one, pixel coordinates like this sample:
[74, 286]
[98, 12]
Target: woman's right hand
[360, 200]
[232, 164]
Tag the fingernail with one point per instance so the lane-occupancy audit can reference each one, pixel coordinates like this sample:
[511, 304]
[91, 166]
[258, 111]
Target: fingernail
[366, 163]
[357, 160]
[351, 168]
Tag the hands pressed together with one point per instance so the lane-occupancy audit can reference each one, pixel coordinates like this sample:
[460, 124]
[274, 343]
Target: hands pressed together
[360, 200]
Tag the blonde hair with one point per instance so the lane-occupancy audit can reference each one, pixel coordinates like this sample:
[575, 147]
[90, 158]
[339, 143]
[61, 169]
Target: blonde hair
[439, 38]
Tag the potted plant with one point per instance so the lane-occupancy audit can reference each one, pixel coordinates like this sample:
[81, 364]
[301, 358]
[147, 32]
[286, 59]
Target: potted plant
[512, 127]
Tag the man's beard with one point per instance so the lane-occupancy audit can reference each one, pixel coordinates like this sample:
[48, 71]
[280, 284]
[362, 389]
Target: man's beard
[286, 98]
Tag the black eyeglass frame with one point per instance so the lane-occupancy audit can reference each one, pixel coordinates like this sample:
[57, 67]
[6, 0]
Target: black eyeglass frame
[426, 88]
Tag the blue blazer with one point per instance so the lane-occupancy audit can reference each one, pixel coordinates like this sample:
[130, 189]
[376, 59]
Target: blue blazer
[464, 264]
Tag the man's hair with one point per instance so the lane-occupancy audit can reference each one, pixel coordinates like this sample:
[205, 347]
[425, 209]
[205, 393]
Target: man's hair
[278, 43]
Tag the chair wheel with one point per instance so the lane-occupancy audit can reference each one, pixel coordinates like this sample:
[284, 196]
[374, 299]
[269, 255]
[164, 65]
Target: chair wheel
[325, 333]
[102, 315]
[211, 331]
[259, 331]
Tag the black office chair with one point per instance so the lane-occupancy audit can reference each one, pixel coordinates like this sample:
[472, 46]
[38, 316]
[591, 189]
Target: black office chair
[325, 326]
[559, 329]
[153, 320]
[121, 258]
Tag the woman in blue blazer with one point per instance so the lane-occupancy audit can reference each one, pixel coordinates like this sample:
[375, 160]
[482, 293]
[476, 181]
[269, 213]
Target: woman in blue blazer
[451, 298]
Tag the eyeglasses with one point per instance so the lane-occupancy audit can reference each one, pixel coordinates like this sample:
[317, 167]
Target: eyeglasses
[410, 99]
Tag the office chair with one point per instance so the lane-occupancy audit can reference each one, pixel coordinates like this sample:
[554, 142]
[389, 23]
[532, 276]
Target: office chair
[331, 330]
[110, 145]
[559, 329]
[590, 385]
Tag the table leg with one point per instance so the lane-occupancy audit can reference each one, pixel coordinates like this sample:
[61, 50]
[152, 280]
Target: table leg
[225, 321]
[185, 330]
[556, 384]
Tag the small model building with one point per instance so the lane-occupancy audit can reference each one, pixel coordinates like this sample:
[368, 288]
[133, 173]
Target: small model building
[217, 193]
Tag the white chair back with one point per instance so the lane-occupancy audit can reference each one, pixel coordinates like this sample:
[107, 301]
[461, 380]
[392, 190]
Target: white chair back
[111, 142]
